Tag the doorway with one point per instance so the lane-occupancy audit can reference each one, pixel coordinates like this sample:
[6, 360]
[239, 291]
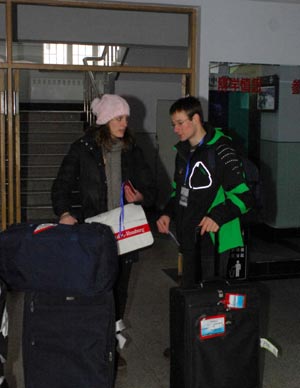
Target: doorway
[135, 74]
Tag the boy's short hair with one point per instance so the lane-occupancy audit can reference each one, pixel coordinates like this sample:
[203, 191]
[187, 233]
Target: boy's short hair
[191, 105]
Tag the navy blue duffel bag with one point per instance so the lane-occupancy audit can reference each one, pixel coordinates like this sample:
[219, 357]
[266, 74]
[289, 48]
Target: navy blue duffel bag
[80, 259]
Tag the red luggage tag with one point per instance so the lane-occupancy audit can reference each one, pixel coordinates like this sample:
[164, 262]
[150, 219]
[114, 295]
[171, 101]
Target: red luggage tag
[235, 301]
[212, 326]
[42, 227]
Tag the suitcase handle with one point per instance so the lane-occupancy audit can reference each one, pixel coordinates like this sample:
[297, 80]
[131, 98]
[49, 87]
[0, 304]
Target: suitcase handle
[198, 263]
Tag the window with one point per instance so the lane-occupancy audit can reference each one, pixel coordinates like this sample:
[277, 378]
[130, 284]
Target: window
[56, 53]
[80, 51]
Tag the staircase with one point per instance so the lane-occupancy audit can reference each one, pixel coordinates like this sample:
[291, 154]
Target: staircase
[45, 137]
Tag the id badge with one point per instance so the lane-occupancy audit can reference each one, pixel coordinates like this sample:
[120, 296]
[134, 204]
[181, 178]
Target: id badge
[184, 196]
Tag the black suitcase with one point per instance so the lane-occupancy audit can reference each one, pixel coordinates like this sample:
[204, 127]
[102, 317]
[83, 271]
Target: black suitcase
[80, 259]
[66, 276]
[68, 341]
[215, 335]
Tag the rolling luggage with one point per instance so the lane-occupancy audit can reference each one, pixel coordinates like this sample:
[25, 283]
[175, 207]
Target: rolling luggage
[78, 259]
[214, 335]
[66, 276]
[68, 341]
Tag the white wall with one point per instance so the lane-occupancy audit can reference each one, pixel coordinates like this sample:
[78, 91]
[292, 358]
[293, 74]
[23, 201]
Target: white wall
[234, 31]
[250, 32]
[280, 154]
[289, 104]
[104, 25]
[268, 33]
[243, 31]
[143, 98]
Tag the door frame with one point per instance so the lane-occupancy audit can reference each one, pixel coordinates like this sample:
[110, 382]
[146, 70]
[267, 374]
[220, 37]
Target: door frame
[10, 181]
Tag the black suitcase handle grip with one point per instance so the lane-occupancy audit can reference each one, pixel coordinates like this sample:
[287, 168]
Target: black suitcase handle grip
[198, 263]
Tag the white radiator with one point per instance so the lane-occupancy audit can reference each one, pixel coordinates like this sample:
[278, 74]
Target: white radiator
[56, 89]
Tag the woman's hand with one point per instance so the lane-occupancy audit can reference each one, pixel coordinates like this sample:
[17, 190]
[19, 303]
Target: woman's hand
[67, 219]
[133, 196]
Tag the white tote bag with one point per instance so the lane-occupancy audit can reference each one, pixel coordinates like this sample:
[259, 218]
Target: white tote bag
[130, 228]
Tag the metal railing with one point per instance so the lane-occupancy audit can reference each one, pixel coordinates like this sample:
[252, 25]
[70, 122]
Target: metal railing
[111, 55]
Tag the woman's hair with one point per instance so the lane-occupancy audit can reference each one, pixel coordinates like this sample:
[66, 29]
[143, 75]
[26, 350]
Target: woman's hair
[104, 139]
[190, 105]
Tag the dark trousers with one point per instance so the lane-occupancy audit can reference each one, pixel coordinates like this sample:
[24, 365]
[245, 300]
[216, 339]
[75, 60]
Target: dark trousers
[122, 283]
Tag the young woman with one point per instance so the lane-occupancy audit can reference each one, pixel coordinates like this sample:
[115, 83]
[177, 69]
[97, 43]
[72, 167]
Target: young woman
[97, 164]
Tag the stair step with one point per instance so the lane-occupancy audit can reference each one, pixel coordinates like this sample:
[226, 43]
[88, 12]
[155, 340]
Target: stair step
[29, 172]
[30, 199]
[41, 159]
[46, 137]
[38, 198]
[52, 126]
[36, 184]
[43, 213]
[52, 116]
[38, 214]
[50, 137]
[42, 148]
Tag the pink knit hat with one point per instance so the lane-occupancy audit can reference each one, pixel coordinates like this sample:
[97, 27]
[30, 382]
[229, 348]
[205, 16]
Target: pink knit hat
[108, 107]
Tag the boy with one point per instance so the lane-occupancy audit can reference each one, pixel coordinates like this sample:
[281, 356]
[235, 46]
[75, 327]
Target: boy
[210, 191]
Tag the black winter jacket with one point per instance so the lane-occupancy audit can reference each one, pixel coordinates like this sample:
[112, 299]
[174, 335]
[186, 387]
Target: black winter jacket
[83, 169]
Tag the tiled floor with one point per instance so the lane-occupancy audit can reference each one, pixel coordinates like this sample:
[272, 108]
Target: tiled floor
[147, 315]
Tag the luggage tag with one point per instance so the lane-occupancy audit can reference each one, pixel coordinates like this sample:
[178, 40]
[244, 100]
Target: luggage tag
[234, 301]
[42, 227]
[120, 326]
[212, 326]
[267, 344]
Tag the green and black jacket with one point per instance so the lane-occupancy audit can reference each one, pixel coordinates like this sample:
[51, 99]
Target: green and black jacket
[217, 188]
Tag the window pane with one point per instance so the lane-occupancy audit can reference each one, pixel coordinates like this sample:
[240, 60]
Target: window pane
[55, 53]
[81, 51]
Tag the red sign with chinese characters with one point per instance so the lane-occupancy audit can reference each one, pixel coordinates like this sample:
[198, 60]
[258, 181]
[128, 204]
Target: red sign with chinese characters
[296, 86]
[245, 85]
